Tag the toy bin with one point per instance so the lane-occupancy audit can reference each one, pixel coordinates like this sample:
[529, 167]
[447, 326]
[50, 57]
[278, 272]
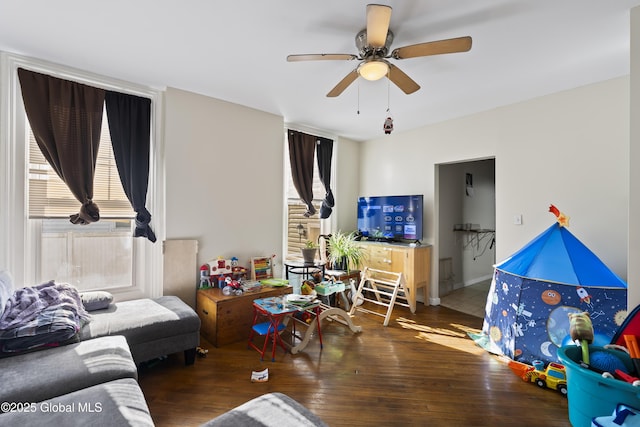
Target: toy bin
[590, 394]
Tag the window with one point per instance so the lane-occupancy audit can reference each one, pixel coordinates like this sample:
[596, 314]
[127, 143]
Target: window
[49, 197]
[95, 256]
[41, 243]
[298, 228]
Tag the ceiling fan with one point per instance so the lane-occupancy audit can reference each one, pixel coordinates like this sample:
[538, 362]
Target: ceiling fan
[373, 44]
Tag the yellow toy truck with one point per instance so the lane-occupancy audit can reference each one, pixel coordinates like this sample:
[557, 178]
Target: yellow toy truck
[554, 376]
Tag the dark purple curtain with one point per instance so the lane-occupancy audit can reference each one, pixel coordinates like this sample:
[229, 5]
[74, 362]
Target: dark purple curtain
[301, 151]
[324, 152]
[66, 119]
[129, 118]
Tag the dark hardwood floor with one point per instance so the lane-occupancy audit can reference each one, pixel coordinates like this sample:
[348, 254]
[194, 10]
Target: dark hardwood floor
[421, 370]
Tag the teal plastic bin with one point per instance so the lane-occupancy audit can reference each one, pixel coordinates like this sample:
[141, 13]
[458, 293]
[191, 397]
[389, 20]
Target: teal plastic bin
[590, 395]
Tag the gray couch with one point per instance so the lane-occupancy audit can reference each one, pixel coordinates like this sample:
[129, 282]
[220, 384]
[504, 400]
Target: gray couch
[94, 381]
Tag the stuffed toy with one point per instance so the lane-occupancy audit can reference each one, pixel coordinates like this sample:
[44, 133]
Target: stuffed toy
[581, 329]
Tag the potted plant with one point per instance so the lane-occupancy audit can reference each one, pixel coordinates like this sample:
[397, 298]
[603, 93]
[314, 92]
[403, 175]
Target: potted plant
[309, 252]
[344, 251]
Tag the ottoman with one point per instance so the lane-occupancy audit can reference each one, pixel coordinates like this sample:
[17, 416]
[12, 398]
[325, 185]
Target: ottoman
[153, 327]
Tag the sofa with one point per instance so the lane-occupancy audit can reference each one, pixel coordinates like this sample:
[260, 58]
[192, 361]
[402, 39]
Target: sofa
[88, 377]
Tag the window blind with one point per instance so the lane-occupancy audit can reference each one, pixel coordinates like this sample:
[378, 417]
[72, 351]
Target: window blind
[49, 197]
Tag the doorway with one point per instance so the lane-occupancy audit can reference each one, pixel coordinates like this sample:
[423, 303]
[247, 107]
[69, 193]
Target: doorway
[466, 233]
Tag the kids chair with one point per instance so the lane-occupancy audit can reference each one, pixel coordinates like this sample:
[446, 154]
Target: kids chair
[264, 325]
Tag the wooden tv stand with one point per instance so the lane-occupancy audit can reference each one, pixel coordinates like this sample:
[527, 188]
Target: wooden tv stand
[413, 262]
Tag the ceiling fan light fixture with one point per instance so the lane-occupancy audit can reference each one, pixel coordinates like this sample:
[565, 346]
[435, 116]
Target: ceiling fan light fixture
[373, 70]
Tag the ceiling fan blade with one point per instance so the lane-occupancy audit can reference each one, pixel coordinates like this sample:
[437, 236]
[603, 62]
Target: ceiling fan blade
[322, 57]
[460, 44]
[400, 79]
[378, 18]
[344, 83]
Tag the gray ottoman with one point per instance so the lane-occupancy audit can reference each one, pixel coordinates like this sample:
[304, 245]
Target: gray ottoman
[152, 327]
[41, 375]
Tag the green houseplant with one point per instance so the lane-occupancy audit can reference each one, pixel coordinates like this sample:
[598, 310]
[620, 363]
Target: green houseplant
[309, 252]
[344, 251]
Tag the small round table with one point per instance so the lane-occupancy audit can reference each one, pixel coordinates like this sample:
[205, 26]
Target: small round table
[303, 269]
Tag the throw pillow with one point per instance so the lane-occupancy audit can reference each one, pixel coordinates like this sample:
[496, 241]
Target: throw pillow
[96, 300]
[6, 289]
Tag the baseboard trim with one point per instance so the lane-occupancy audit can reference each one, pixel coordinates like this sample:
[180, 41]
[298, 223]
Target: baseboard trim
[478, 280]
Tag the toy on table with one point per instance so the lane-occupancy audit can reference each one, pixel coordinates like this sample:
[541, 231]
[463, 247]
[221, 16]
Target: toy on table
[581, 329]
[204, 276]
[220, 266]
[220, 270]
[307, 287]
[237, 271]
[232, 287]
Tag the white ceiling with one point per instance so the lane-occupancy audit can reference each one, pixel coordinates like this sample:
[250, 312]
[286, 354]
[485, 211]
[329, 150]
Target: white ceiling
[236, 50]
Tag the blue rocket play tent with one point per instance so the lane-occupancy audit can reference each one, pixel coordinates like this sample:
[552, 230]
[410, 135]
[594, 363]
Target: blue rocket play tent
[534, 290]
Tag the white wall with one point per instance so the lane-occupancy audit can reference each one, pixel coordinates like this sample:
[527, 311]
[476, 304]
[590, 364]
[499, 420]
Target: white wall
[449, 201]
[570, 149]
[346, 192]
[224, 176]
[634, 157]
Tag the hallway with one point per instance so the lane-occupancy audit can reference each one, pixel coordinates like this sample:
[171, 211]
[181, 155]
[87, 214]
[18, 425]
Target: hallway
[470, 299]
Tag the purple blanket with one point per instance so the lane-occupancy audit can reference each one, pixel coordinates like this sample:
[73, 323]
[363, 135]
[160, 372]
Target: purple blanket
[26, 304]
[44, 315]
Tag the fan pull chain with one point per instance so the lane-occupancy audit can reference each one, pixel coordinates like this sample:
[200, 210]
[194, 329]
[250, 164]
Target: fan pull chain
[388, 94]
[388, 123]
[358, 98]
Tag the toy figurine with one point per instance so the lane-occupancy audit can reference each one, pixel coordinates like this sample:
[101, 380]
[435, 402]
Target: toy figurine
[204, 276]
[232, 287]
[388, 125]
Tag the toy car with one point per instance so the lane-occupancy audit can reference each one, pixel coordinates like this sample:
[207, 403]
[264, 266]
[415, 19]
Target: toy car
[554, 376]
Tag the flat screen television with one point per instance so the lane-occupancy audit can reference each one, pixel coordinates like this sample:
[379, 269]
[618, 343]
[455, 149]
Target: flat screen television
[390, 218]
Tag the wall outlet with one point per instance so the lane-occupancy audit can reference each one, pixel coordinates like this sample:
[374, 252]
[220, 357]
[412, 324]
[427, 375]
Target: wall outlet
[517, 219]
